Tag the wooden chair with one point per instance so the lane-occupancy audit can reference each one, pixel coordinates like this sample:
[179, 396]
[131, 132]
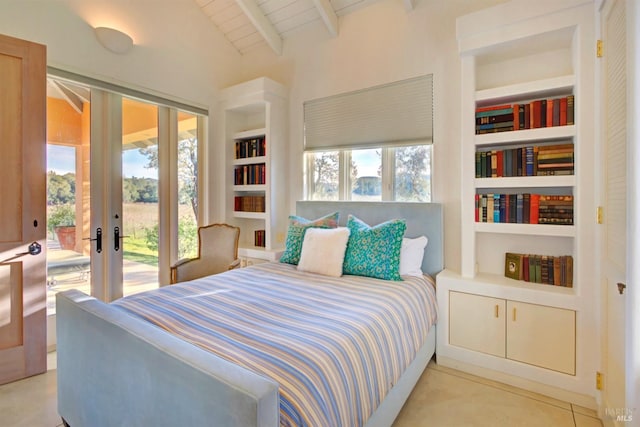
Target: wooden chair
[217, 252]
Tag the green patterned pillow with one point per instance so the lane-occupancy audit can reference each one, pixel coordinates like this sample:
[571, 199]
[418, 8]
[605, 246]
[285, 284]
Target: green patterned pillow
[374, 251]
[295, 234]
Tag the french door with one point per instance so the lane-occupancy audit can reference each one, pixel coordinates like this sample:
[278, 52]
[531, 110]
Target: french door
[134, 199]
[124, 200]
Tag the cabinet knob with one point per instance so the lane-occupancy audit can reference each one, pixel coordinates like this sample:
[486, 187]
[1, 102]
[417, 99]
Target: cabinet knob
[621, 287]
[514, 314]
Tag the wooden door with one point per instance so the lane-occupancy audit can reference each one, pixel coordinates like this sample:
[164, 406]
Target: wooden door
[477, 323]
[23, 209]
[542, 336]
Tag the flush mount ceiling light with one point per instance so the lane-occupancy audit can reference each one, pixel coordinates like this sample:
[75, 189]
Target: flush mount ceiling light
[114, 40]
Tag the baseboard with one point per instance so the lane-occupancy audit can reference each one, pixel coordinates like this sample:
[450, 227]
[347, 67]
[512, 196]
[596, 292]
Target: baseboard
[523, 383]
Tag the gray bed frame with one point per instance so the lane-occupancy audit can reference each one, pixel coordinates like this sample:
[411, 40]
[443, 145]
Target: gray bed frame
[117, 370]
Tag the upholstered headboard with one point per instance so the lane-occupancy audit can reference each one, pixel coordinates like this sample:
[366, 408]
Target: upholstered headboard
[422, 219]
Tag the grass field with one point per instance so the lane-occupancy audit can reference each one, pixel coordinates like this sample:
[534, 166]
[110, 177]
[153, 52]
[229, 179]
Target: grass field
[137, 220]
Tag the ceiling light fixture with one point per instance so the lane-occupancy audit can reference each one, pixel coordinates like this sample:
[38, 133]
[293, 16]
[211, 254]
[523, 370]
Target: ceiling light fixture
[114, 40]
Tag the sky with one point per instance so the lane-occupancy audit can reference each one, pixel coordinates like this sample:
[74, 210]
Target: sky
[61, 160]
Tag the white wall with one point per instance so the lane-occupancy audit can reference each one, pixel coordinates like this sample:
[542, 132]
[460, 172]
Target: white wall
[173, 53]
[379, 44]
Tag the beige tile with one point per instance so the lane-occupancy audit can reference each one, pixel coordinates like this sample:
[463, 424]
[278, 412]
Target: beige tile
[584, 411]
[443, 399]
[31, 402]
[505, 387]
[586, 421]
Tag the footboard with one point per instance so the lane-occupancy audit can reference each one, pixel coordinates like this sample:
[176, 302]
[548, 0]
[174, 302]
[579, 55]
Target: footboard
[116, 370]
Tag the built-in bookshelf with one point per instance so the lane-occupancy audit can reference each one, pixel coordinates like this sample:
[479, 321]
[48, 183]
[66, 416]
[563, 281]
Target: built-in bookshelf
[255, 143]
[528, 139]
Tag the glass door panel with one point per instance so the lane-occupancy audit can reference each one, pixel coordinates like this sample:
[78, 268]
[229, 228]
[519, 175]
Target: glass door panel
[68, 211]
[140, 214]
[187, 185]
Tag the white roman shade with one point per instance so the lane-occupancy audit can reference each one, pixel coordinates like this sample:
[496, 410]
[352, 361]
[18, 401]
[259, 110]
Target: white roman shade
[399, 113]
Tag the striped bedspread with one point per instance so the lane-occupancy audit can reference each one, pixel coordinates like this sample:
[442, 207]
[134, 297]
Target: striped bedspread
[335, 346]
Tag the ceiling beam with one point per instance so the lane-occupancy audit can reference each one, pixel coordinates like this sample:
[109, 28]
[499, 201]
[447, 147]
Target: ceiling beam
[262, 24]
[409, 5]
[72, 99]
[328, 15]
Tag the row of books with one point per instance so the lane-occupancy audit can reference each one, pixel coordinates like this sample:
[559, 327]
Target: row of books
[250, 174]
[259, 238]
[557, 159]
[545, 269]
[524, 208]
[249, 204]
[254, 147]
[539, 113]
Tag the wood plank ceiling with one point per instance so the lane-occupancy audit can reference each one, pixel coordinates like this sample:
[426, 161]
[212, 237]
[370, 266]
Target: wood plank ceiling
[249, 24]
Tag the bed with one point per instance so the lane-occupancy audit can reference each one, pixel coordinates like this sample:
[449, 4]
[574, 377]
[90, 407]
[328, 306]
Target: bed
[118, 365]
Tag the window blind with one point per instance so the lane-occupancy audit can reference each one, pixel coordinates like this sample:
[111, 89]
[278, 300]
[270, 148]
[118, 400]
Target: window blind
[399, 113]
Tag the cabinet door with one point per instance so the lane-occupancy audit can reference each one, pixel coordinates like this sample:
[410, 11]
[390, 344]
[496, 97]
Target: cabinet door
[477, 323]
[542, 336]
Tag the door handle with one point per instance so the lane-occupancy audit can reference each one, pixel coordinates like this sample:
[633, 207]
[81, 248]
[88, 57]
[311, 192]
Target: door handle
[116, 238]
[33, 249]
[621, 288]
[98, 239]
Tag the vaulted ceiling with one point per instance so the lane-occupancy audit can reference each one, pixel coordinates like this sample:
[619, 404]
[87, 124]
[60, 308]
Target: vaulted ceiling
[249, 24]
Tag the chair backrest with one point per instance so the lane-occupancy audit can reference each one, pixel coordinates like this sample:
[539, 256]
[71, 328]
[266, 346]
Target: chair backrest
[219, 241]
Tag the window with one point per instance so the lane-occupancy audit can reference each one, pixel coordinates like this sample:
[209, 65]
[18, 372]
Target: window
[371, 144]
[373, 174]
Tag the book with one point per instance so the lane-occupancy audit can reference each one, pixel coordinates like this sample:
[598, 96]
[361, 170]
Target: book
[534, 206]
[513, 266]
[570, 110]
[490, 207]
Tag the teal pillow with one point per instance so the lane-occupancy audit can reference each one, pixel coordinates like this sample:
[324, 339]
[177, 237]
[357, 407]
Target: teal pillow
[374, 251]
[295, 235]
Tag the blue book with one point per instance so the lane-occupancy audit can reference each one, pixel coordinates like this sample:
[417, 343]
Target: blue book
[529, 161]
[496, 208]
[519, 208]
[503, 208]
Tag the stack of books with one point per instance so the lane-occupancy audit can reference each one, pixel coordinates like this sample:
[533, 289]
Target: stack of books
[249, 204]
[539, 113]
[524, 208]
[253, 147]
[545, 269]
[554, 159]
[555, 210]
[259, 238]
[250, 174]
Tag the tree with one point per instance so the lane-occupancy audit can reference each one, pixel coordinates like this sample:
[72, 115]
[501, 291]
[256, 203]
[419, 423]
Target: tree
[325, 174]
[412, 171]
[61, 189]
[187, 170]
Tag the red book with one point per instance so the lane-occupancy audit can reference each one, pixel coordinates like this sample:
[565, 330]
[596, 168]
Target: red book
[536, 114]
[563, 111]
[549, 112]
[516, 118]
[525, 269]
[534, 206]
[527, 116]
[500, 165]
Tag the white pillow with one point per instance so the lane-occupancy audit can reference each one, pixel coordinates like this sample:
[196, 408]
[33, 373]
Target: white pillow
[411, 254]
[323, 250]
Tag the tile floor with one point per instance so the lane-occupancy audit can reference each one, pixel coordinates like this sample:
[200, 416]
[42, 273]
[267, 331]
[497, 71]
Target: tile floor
[442, 397]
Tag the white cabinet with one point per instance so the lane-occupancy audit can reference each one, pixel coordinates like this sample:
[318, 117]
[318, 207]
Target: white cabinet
[517, 53]
[541, 336]
[530, 333]
[255, 147]
[477, 323]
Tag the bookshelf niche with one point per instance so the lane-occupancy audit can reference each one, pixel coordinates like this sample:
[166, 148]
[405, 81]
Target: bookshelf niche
[254, 126]
[527, 194]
